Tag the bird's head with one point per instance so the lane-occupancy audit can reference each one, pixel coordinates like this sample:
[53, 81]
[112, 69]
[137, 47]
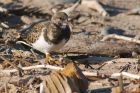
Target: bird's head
[60, 19]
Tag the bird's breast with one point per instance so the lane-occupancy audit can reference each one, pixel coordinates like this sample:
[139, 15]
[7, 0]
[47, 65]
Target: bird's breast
[42, 45]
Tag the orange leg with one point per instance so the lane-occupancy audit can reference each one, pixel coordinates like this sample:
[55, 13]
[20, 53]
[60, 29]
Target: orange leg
[51, 61]
[48, 58]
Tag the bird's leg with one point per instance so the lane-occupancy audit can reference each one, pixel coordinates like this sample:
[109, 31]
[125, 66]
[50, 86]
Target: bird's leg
[52, 61]
[48, 58]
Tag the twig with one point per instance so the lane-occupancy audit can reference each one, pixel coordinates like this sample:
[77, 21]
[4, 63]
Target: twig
[3, 9]
[126, 74]
[9, 62]
[135, 11]
[4, 25]
[121, 83]
[6, 85]
[121, 38]
[101, 66]
[32, 51]
[7, 72]
[6, 88]
[20, 71]
[94, 4]
[5, 54]
[108, 60]
[126, 67]
[71, 9]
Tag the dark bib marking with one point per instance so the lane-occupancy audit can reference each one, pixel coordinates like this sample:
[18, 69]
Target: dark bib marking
[58, 34]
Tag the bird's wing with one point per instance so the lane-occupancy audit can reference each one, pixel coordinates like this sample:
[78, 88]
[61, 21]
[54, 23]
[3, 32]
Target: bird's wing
[32, 34]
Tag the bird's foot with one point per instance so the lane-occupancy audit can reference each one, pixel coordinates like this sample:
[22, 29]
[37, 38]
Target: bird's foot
[52, 61]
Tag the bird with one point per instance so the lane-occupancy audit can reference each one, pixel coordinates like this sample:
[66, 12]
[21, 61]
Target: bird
[48, 36]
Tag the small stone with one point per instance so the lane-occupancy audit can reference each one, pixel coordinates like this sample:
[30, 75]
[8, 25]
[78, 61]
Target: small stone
[26, 19]
[82, 19]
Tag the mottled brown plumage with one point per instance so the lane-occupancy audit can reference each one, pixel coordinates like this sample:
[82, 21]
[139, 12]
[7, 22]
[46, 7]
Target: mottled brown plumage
[34, 33]
[48, 34]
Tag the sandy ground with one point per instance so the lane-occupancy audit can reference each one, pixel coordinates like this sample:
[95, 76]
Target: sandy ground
[88, 27]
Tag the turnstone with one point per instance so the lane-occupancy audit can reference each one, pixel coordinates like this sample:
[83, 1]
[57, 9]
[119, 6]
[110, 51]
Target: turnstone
[48, 36]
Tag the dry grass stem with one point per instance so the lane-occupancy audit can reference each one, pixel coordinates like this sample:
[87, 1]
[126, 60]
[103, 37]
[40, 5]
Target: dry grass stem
[7, 72]
[114, 36]
[126, 74]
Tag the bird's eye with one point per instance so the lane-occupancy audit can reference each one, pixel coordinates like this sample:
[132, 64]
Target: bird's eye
[61, 18]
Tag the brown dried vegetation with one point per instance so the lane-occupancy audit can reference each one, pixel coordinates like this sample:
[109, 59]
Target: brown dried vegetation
[102, 55]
